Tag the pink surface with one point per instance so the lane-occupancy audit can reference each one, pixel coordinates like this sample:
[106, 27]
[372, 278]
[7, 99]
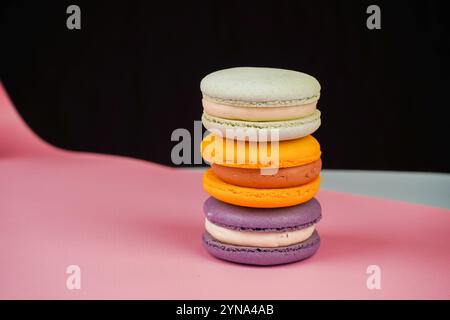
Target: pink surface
[134, 229]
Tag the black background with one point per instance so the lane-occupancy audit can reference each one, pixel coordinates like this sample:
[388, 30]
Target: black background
[131, 75]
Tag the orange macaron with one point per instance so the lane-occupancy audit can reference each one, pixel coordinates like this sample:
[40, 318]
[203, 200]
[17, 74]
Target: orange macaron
[237, 175]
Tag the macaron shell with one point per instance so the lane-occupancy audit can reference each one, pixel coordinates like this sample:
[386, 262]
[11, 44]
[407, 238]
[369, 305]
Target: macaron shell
[284, 178]
[262, 256]
[262, 219]
[251, 130]
[260, 87]
[291, 153]
[258, 198]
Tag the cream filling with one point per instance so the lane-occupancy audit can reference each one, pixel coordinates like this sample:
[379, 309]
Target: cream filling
[258, 114]
[261, 124]
[258, 239]
[272, 103]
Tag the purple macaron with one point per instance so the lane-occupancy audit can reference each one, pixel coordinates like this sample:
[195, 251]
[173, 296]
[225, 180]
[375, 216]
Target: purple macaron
[262, 220]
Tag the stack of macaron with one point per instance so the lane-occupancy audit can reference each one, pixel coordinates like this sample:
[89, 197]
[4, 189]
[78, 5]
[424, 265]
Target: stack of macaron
[262, 209]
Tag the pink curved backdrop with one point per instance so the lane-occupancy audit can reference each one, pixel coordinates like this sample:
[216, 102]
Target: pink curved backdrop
[134, 230]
